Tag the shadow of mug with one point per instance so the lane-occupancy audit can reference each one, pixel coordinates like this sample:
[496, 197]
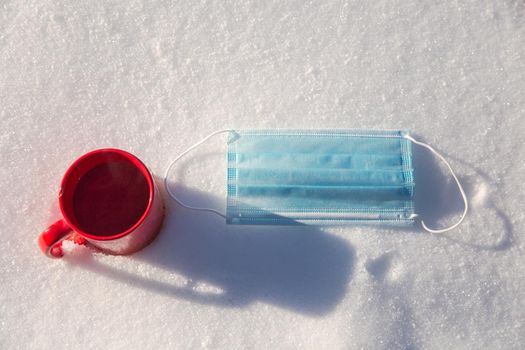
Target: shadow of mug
[300, 268]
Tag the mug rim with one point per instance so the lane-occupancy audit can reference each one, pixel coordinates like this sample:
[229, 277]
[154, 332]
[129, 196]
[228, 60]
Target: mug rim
[137, 163]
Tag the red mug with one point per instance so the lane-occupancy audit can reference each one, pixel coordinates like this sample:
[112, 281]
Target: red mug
[108, 200]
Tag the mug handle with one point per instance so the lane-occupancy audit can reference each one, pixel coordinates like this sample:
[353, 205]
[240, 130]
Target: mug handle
[50, 241]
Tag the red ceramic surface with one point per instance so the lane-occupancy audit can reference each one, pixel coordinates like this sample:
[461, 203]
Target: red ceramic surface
[108, 200]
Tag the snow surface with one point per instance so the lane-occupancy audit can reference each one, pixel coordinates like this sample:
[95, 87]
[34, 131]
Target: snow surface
[153, 77]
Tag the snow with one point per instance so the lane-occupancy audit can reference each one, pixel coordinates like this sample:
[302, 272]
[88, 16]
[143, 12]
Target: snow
[154, 77]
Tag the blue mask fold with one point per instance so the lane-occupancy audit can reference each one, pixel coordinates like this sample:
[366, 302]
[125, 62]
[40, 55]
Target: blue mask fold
[319, 176]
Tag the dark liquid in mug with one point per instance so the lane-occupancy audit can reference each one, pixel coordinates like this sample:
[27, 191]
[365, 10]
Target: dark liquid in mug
[110, 198]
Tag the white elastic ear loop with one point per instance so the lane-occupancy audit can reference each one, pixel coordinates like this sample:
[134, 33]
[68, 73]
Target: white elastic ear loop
[172, 195]
[463, 195]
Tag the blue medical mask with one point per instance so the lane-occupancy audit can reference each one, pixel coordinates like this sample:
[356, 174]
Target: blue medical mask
[286, 177]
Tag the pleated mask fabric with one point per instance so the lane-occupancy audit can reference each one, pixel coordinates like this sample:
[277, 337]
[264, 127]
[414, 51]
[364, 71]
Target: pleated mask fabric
[319, 176]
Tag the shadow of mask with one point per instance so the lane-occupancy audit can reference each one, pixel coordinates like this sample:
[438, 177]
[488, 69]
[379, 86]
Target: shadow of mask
[437, 197]
[439, 203]
[300, 268]
[486, 203]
